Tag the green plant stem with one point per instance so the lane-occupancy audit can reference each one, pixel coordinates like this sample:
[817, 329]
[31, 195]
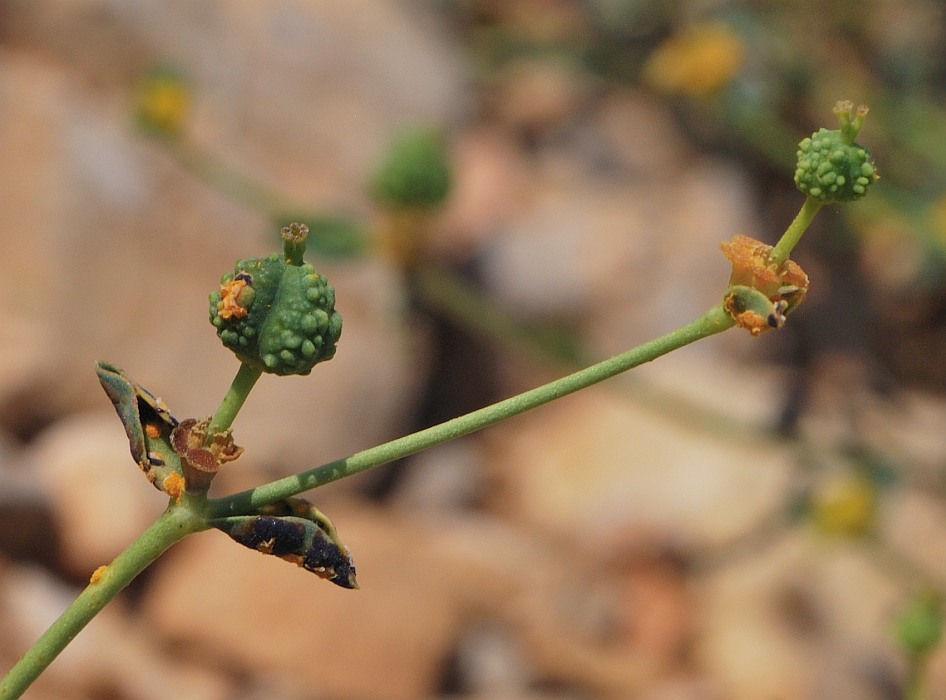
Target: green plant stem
[235, 397]
[228, 180]
[469, 308]
[794, 232]
[713, 321]
[914, 686]
[176, 522]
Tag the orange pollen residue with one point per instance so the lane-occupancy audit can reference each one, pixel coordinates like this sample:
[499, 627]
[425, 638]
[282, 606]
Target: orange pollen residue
[228, 306]
[173, 485]
[152, 430]
[98, 574]
[751, 264]
[752, 322]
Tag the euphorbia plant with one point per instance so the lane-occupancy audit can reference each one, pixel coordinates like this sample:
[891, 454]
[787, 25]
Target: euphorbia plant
[277, 314]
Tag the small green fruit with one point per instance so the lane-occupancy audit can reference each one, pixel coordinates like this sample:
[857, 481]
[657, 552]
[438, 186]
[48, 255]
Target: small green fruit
[415, 172]
[830, 166]
[277, 314]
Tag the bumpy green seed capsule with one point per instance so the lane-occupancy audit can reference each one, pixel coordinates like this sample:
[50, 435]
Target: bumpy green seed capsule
[831, 167]
[277, 313]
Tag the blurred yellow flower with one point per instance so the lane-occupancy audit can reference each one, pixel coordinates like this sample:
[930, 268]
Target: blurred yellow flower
[163, 102]
[845, 505]
[697, 62]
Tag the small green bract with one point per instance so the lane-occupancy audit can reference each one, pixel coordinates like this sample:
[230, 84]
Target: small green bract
[276, 316]
[831, 170]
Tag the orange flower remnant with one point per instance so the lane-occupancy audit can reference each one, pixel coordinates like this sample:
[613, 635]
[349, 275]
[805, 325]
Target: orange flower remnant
[173, 485]
[229, 305]
[761, 292]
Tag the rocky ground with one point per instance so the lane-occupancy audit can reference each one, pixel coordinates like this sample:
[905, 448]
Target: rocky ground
[642, 539]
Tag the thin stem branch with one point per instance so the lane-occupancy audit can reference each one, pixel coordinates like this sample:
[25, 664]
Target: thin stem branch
[171, 526]
[713, 321]
[469, 308]
[234, 399]
[914, 687]
[223, 177]
[794, 232]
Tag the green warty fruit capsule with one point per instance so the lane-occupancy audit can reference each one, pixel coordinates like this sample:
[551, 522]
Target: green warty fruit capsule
[832, 170]
[275, 314]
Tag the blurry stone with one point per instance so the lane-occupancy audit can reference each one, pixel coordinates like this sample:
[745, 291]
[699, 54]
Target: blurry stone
[772, 619]
[915, 524]
[893, 258]
[26, 350]
[317, 90]
[540, 21]
[490, 664]
[839, 397]
[655, 611]
[491, 181]
[31, 204]
[742, 646]
[27, 528]
[680, 687]
[935, 669]
[99, 498]
[638, 133]
[568, 239]
[112, 654]
[536, 95]
[899, 429]
[675, 268]
[907, 35]
[443, 479]
[914, 420]
[733, 398]
[598, 463]
[559, 596]
[631, 259]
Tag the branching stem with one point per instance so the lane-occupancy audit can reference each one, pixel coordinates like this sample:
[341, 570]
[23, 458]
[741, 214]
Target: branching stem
[713, 321]
[174, 524]
[794, 232]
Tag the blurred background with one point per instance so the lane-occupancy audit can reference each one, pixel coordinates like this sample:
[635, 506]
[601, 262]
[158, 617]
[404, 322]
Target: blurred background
[499, 192]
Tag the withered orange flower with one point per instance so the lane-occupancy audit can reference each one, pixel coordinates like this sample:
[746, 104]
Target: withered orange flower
[229, 305]
[779, 288]
[200, 458]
